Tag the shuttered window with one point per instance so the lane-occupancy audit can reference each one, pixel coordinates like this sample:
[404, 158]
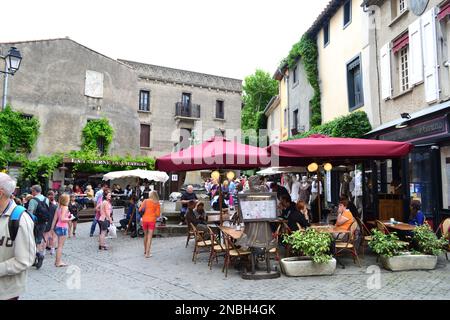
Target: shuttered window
[415, 52]
[429, 46]
[145, 135]
[385, 66]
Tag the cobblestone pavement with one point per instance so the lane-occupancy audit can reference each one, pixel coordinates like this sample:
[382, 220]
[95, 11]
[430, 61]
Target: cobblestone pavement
[123, 273]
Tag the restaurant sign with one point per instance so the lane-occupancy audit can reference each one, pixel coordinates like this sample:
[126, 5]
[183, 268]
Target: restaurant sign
[105, 162]
[435, 127]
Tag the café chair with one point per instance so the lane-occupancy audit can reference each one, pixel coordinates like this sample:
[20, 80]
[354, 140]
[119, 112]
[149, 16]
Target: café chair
[232, 252]
[216, 249]
[201, 245]
[350, 244]
[190, 233]
[382, 227]
[444, 229]
[366, 235]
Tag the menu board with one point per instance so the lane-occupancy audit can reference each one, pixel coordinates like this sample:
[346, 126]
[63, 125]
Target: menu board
[258, 206]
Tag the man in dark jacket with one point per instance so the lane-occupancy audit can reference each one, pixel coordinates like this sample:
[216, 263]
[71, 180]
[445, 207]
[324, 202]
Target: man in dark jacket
[291, 213]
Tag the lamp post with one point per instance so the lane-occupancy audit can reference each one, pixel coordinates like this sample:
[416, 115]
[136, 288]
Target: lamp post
[12, 65]
[313, 167]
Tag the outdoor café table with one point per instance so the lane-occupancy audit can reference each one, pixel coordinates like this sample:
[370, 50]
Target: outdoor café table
[400, 226]
[232, 232]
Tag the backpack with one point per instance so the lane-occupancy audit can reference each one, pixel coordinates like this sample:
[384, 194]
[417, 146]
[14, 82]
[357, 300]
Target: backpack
[14, 222]
[42, 211]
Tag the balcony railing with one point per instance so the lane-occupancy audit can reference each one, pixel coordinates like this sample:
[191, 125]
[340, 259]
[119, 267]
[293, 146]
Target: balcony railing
[187, 110]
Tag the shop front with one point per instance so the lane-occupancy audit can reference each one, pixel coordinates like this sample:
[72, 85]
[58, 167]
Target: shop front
[424, 175]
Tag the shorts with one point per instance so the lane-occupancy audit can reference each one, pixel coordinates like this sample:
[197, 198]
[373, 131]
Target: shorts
[104, 225]
[40, 229]
[61, 232]
[148, 226]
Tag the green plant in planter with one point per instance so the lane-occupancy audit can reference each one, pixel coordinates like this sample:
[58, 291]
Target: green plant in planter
[386, 245]
[427, 242]
[311, 243]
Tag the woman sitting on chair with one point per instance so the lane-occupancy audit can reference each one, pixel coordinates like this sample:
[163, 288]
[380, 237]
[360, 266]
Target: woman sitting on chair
[416, 217]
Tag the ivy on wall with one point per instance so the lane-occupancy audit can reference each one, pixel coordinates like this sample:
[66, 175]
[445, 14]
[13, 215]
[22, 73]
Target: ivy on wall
[95, 130]
[354, 125]
[17, 136]
[306, 48]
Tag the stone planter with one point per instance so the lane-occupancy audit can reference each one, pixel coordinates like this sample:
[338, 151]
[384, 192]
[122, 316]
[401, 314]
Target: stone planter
[408, 261]
[304, 266]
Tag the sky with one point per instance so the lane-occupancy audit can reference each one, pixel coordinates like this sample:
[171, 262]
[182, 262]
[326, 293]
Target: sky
[229, 38]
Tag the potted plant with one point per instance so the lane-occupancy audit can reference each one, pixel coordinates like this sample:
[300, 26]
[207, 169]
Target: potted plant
[314, 257]
[395, 256]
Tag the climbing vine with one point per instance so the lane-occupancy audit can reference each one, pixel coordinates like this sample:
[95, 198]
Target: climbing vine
[306, 48]
[18, 135]
[95, 130]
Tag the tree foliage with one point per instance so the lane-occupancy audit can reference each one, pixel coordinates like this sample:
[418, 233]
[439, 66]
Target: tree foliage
[258, 88]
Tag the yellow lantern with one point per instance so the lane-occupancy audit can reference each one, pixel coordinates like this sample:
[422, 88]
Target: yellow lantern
[215, 175]
[230, 175]
[328, 166]
[313, 167]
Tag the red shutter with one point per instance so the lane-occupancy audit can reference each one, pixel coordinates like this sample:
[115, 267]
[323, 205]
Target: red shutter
[445, 11]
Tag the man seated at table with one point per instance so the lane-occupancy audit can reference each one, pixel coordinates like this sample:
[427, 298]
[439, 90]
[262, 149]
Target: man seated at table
[186, 197]
[344, 220]
[198, 223]
[280, 190]
[291, 213]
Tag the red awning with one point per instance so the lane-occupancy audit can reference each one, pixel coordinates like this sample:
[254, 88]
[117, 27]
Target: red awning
[445, 11]
[400, 43]
[216, 153]
[335, 150]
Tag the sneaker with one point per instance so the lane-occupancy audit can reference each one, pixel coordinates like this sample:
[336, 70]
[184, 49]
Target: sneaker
[91, 235]
[52, 251]
[40, 261]
[180, 224]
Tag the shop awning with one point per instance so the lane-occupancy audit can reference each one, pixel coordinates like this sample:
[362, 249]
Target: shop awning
[400, 43]
[445, 11]
[138, 173]
[215, 153]
[335, 150]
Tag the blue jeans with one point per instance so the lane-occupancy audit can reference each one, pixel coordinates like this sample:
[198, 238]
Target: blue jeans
[93, 225]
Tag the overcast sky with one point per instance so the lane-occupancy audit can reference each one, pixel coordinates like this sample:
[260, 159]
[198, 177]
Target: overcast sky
[230, 38]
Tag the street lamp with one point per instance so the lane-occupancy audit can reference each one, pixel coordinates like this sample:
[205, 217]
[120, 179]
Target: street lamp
[12, 65]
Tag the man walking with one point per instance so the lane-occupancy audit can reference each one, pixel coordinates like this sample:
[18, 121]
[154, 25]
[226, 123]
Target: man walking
[40, 207]
[17, 252]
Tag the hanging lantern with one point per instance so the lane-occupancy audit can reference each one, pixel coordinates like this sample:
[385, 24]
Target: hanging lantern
[328, 166]
[215, 175]
[230, 175]
[313, 167]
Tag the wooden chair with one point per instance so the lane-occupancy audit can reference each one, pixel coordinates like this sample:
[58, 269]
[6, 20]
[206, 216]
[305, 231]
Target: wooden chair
[382, 227]
[201, 245]
[231, 252]
[366, 235]
[190, 234]
[445, 231]
[349, 245]
[216, 249]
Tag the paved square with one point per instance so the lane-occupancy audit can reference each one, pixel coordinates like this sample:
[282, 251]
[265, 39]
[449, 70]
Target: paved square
[124, 273]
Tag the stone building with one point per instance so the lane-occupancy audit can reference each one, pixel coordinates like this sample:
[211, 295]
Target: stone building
[178, 107]
[65, 84]
[413, 96]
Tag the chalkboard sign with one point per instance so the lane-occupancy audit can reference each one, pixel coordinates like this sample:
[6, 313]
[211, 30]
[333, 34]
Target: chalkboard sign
[258, 206]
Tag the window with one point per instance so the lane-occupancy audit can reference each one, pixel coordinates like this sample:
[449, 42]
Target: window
[295, 120]
[326, 34]
[26, 116]
[294, 75]
[445, 169]
[101, 145]
[354, 84]
[144, 100]
[286, 117]
[347, 13]
[403, 68]
[220, 112]
[401, 6]
[145, 135]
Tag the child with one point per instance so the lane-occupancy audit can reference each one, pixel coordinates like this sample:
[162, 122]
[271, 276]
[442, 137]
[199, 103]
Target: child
[60, 225]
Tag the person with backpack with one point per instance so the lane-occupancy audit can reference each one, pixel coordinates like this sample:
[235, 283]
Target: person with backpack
[49, 235]
[39, 206]
[17, 247]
